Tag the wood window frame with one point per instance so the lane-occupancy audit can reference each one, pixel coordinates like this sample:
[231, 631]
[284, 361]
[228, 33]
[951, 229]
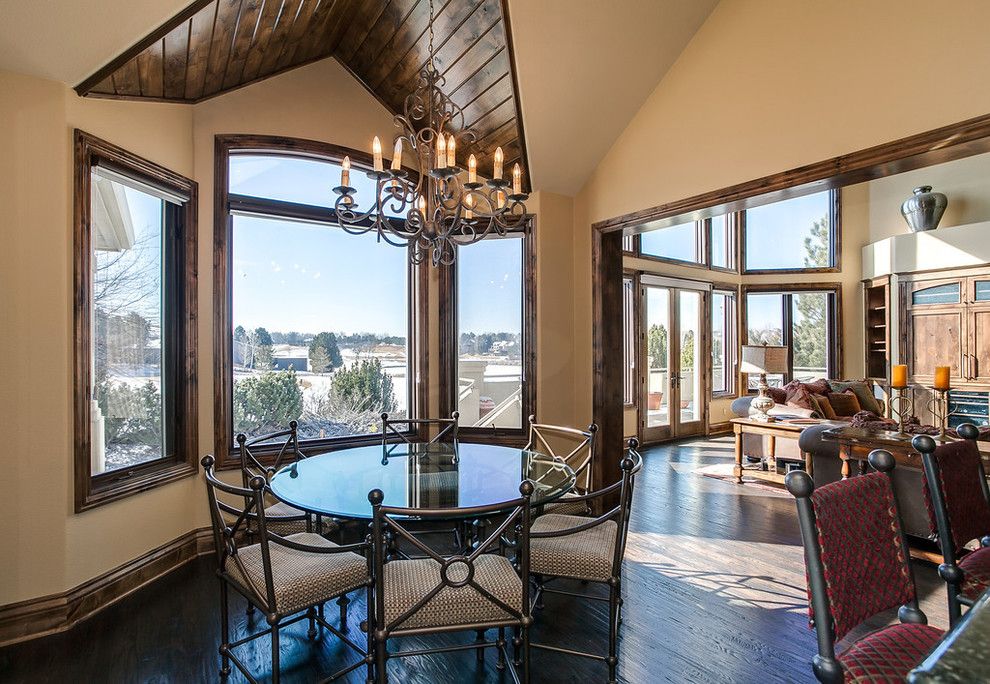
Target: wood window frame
[835, 241]
[703, 239]
[833, 359]
[224, 203]
[633, 328]
[732, 337]
[449, 345]
[179, 281]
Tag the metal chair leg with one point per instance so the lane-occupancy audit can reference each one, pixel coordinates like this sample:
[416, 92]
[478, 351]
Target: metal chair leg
[320, 612]
[311, 616]
[516, 646]
[539, 591]
[613, 631]
[381, 660]
[500, 663]
[480, 652]
[343, 602]
[224, 630]
[525, 655]
[275, 654]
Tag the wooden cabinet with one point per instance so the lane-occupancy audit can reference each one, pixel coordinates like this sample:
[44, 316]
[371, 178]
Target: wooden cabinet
[946, 322]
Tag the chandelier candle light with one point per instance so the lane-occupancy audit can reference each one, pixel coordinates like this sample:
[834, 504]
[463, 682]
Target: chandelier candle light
[439, 210]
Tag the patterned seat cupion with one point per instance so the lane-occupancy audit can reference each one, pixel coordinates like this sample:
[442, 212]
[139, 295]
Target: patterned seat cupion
[586, 555]
[888, 655]
[976, 573]
[564, 507]
[407, 581]
[275, 520]
[300, 578]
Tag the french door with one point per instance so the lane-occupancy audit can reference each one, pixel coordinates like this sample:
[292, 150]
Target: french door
[673, 354]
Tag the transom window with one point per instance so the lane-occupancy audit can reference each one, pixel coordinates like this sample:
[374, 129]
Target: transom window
[798, 234]
[706, 242]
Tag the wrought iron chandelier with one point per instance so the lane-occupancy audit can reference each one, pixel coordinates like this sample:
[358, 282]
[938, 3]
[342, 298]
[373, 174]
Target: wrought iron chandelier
[442, 209]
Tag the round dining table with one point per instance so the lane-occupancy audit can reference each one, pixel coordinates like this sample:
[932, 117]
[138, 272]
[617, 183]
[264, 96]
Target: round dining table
[418, 475]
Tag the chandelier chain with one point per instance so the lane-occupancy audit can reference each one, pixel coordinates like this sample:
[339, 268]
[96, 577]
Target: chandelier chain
[431, 30]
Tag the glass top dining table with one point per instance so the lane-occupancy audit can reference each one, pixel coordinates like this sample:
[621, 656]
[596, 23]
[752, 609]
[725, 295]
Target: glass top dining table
[427, 476]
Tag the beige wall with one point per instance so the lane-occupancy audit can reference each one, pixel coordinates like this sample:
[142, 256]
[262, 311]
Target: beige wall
[769, 85]
[51, 547]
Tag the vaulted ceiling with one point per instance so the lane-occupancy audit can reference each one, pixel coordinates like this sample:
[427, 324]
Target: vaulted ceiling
[583, 67]
[214, 46]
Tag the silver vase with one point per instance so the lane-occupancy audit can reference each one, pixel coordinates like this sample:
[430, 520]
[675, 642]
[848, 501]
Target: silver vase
[924, 209]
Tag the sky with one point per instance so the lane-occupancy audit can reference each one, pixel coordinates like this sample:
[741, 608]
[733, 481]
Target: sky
[775, 234]
[310, 278]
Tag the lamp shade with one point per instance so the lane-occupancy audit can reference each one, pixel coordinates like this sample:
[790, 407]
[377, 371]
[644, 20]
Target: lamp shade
[762, 358]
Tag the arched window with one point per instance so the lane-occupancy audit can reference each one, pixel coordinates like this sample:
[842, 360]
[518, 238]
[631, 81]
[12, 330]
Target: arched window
[314, 324]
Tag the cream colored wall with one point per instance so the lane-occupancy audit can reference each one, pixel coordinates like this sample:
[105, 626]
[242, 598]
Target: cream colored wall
[51, 548]
[966, 182]
[769, 85]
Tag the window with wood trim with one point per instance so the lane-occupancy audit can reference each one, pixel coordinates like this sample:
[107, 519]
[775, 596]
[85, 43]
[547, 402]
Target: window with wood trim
[708, 242]
[793, 235]
[724, 342]
[135, 323]
[315, 324]
[489, 323]
[804, 320]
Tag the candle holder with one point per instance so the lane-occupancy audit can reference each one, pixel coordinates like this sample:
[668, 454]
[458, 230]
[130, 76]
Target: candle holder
[940, 412]
[903, 405]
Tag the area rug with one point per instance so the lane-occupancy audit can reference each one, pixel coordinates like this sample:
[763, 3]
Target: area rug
[723, 471]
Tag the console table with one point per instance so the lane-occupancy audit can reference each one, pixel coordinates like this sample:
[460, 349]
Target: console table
[782, 429]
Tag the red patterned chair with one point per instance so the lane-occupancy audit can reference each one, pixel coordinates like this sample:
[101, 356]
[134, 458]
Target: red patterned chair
[857, 564]
[959, 512]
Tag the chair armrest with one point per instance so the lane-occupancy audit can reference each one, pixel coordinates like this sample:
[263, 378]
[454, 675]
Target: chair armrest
[358, 547]
[594, 522]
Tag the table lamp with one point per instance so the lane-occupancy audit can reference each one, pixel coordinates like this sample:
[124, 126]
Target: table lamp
[763, 359]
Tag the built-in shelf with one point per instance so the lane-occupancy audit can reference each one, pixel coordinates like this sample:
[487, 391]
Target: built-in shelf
[876, 294]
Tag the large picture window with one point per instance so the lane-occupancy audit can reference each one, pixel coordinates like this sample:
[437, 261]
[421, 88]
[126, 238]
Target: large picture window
[798, 234]
[489, 352]
[135, 391]
[805, 321]
[317, 322]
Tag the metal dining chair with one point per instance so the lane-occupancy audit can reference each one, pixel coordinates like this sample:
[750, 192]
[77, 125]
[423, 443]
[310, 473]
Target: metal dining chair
[857, 564]
[590, 550]
[441, 593]
[282, 518]
[958, 501]
[446, 429]
[574, 447]
[288, 578]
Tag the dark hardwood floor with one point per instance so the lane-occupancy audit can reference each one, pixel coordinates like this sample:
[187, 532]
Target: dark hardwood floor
[714, 592]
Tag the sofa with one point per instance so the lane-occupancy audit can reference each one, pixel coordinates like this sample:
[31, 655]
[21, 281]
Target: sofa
[825, 456]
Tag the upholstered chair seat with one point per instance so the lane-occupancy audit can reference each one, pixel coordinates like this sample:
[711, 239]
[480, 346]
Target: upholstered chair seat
[408, 581]
[586, 555]
[888, 655]
[976, 573]
[301, 579]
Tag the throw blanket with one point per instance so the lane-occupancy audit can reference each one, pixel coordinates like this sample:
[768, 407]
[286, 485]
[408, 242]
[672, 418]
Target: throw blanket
[871, 421]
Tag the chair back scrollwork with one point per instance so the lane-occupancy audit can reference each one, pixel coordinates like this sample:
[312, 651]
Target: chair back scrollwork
[574, 447]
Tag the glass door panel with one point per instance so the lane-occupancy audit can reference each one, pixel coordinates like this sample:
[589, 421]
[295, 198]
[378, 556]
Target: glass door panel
[690, 397]
[657, 357]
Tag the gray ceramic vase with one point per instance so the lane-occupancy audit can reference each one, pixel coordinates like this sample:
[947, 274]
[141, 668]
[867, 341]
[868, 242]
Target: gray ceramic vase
[924, 209]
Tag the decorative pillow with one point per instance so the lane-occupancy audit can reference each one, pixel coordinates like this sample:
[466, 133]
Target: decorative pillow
[844, 403]
[778, 394]
[800, 397]
[862, 390]
[823, 406]
[820, 387]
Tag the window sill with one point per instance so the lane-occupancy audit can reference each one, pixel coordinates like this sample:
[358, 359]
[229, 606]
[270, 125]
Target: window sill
[108, 487]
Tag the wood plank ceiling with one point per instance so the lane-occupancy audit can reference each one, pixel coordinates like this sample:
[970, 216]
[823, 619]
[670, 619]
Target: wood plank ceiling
[214, 46]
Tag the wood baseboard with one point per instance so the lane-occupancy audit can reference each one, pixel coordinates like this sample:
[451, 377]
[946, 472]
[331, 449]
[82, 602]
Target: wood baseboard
[58, 612]
[719, 428]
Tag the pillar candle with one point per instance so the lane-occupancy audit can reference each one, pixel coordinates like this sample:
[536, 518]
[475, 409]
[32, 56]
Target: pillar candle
[941, 377]
[345, 172]
[898, 376]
